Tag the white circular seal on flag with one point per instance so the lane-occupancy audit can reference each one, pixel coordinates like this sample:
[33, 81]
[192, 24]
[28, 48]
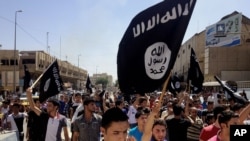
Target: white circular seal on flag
[177, 85]
[46, 85]
[157, 57]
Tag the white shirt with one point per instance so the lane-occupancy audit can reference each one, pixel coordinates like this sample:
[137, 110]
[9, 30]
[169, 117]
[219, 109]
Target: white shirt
[10, 119]
[131, 114]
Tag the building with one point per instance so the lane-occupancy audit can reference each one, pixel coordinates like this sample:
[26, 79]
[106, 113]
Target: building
[95, 77]
[36, 62]
[215, 55]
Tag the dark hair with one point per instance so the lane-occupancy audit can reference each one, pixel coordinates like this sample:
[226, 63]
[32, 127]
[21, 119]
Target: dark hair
[177, 109]
[55, 102]
[218, 110]
[88, 100]
[77, 94]
[141, 100]
[16, 105]
[141, 111]
[113, 115]
[159, 122]
[236, 107]
[226, 116]
[118, 102]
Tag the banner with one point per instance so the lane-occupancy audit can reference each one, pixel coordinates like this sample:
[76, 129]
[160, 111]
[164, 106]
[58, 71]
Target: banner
[195, 74]
[89, 85]
[226, 32]
[51, 83]
[148, 49]
[26, 78]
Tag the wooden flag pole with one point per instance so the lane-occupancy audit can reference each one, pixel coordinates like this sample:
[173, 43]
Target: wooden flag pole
[33, 85]
[164, 88]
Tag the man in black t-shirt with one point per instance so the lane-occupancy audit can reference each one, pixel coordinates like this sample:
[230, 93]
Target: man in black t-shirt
[34, 124]
[177, 126]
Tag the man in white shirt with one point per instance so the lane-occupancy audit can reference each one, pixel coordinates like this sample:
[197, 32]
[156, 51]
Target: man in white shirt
[15, 120]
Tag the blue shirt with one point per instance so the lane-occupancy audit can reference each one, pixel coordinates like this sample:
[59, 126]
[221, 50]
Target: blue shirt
[135, 133]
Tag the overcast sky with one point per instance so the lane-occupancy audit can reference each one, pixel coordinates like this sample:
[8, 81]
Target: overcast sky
[91, 28]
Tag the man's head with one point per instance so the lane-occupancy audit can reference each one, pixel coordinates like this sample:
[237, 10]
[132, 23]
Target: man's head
[52, 105]
[89, 104]
[143, 102]
[227, 118]
[78, 97]
[141, 116]
[178, 110]
[114, 128]
[159, 130]
[218, 110]
[15, 108]
[193, 112]
[119, 104]
[37, 102]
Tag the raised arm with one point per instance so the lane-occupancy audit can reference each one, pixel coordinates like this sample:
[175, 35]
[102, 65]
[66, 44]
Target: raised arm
[147, 134]
[31, 102]
[244, 113]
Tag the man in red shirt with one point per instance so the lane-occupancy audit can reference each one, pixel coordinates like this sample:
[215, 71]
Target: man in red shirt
[212, 130]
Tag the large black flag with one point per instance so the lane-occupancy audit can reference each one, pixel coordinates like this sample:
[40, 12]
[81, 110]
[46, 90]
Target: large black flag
[195, 74]
[26, 78]
[89, 85]
[148, 49]
[51, 83]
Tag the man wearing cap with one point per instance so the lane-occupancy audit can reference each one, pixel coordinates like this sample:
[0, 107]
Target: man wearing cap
[87, 126]
[52, 123]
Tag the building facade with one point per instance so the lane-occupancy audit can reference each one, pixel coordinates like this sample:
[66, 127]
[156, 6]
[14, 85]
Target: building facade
[36, 62]
[95, 77]
[227, 62]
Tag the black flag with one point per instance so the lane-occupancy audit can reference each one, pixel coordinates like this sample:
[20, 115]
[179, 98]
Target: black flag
[236, 96]
[148, 49]
[26, 78]
[51, 83]
[195, 74]
[174, 85]
[89, 85]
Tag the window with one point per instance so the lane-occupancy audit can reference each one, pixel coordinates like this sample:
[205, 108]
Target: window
[12, 62]
[183, 51]
[28, 61]
[5, 62]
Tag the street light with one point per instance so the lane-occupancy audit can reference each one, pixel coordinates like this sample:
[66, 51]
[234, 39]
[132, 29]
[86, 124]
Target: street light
[79, 72]
[14, 76]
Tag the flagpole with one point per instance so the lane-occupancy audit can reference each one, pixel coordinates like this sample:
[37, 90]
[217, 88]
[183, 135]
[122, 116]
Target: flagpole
[33, 85]
[164, 88]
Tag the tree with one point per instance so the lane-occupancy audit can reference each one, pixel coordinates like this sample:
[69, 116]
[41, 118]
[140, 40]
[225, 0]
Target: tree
[103, 81]
[116, 83]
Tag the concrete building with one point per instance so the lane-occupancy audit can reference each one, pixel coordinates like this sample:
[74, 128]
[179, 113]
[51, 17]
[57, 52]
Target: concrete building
[216, 58]
[102, 75]
[36, 62]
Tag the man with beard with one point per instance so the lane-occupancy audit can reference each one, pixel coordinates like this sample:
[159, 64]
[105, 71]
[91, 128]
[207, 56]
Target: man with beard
[155, 130]
[52, 122]
[87, 126]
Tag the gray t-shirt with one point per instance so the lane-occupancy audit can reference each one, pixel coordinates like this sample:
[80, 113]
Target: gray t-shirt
[89, 131]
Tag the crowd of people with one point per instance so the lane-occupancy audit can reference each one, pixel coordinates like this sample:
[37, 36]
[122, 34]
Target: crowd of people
[115, 117]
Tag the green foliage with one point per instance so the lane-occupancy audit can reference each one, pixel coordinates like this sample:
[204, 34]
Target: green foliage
[103, 81]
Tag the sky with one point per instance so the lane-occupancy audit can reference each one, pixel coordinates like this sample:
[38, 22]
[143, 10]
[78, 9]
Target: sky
[91, 30]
